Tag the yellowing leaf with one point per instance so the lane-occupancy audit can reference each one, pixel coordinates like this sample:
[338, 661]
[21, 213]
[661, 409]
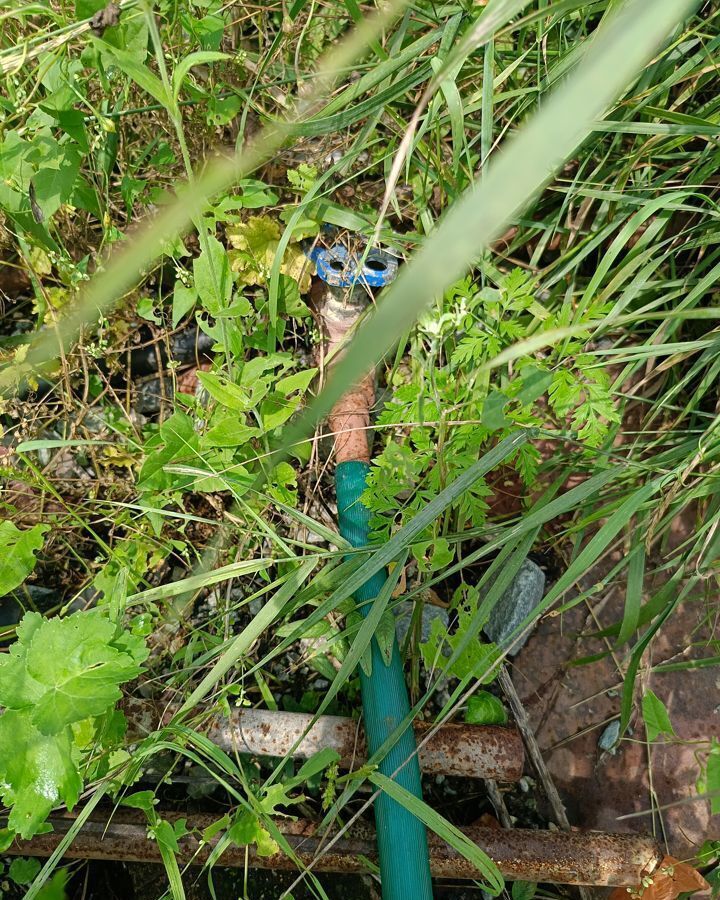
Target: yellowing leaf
[254, 235]
[117, 456]
[668, 881]
[256, 244]
[40, 261]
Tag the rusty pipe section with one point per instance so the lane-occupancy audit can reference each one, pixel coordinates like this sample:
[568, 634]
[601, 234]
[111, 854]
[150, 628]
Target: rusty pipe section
[473, 751]
[349, 419]
[591, 858]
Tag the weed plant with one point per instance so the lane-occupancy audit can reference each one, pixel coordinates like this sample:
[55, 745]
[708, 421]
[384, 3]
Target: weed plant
[548, 367]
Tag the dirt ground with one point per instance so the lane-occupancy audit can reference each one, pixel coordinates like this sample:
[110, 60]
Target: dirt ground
[571, 707]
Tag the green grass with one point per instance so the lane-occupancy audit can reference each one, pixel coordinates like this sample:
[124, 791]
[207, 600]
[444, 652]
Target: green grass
[546, 170]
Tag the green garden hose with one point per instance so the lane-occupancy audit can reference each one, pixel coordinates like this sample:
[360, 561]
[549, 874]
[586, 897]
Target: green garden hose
[401, 837]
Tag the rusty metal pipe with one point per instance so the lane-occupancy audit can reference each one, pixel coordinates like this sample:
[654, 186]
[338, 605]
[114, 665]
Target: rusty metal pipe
[592, 858]
[473, 751]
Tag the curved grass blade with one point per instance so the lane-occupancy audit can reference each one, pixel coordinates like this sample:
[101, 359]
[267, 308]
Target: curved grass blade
[444, 829]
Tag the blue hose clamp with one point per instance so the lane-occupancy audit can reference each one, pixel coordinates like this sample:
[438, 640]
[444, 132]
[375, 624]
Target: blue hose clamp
[340, 268]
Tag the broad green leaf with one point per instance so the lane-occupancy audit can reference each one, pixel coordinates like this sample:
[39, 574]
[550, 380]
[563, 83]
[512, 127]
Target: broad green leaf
[22, 870]
[54, 181]
[165, 835]
[222, 110]
[179, 442]
[712, 778]
[144, 800]
[523, 890]
[655, 714]
[209, 833]
[17, 553]
[433, 556]
[184, 298]
[535, 383]
[485, 708]
[37, 771]
[229, 395]
[213, 280]
[139, 73]
[276, 409]
[146, 310]
[65, 670]
[255, 368]
[72, 122]
[56, 888]
[230, 432]
[256, 194]
[468, 658]
[299, 381]
[248, 830]
[86, 8]
[283, 483]
[493, 416]
[277, 795]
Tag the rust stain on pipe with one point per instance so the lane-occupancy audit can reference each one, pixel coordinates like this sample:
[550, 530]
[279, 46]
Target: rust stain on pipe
[473, 751]
[349, 420]
[592, 858]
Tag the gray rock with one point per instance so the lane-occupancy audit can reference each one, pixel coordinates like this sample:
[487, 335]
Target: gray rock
[403, 618]
[254, 606]
[150, 394]
[28, 597]
[519, 600]
[11, 611]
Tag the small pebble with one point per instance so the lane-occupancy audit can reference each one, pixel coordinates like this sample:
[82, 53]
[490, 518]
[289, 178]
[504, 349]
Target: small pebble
[609, 738]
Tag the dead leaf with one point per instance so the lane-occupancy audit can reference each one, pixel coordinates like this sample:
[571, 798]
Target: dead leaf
[105, 18]
[668, 881]
[117, 457]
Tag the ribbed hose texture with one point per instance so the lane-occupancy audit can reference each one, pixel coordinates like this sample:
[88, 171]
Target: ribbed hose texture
[401, 837]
